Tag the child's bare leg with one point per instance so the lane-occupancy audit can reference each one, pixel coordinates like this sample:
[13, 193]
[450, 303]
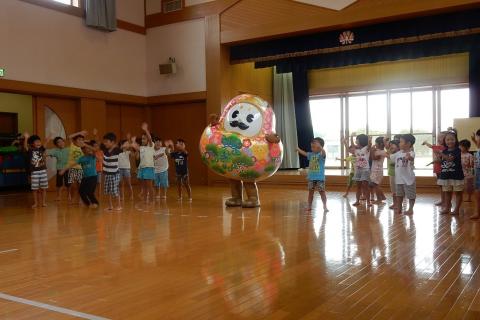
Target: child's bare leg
[399, 205]
[442, 198]
[366, 191]
[380, 194]
[447, 203]
[359, 193]
[411, 203]
[119, 203]
[179, 188]
[458, 202]
[44, 197]
[349, 187]
[35, 202]
[310, 199]
[163, 193]
[149, 185]
[110, 203]
[188, 188]
[323, 195]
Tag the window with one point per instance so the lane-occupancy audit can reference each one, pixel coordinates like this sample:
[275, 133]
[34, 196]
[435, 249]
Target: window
[420, 111]
[75, 3]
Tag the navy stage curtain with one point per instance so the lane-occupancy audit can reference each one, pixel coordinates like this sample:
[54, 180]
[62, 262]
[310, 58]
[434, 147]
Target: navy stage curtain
[475, 83]
[302, 110]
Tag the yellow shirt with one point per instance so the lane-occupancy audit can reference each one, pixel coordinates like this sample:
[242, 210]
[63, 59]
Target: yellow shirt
[74, 155]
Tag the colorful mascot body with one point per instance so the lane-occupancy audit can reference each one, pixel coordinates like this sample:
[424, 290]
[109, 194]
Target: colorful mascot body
[242, 146]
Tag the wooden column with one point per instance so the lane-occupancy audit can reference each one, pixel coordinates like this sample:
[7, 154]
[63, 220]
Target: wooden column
[93, 114]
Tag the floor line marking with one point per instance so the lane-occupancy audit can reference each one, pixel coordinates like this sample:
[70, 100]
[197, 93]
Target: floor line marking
[50, 307]
[8, 251]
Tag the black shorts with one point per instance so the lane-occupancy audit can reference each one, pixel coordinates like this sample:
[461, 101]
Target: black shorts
[62, 180]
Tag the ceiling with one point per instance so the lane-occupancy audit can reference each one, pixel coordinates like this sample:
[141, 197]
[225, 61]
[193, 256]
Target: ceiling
[329, 4]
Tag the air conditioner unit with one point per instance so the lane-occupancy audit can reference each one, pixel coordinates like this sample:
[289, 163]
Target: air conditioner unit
[172, 5]
[168, 68]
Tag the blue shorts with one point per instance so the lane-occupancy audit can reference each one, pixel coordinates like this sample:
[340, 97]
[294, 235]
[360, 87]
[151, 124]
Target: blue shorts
[124, 173]
[146, 174]
[161, 179]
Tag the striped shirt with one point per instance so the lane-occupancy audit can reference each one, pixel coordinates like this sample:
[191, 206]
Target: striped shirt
[110, 160]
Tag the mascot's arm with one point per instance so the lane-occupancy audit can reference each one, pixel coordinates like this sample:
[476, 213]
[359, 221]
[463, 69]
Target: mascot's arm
[272, 138]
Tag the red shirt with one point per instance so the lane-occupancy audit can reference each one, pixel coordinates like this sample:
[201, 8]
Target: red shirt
[437, 165]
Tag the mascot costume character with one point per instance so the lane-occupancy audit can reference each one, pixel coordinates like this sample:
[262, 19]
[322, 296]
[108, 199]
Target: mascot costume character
[243, 147]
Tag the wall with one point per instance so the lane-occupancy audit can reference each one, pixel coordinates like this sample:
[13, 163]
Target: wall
[185, 41]
[449, 69]
[244, 78]
[21, 104]
[132, 11]
[49, 47]
[173, 124]
[124, 119]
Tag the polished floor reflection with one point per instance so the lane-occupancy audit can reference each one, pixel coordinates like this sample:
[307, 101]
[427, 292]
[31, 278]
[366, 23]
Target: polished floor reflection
[203, 261]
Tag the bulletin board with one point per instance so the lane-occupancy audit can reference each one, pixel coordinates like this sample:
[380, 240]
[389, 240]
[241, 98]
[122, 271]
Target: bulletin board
[467, 127]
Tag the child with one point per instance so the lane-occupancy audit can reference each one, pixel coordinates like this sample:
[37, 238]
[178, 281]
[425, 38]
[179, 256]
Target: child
[451, 177]
[404, 174]
[38, 168]
[467, 166]
[437, 167]
[393, 147]
[476, 139]
[60, 153]
[180, 156]
[377, 155]
[75, 172]
[161, 169]
[99, 156]
[124, 168]
[110, 170]
[89, 179]
[362, 171]
[316, 171]
[146, 172]
[350, 160]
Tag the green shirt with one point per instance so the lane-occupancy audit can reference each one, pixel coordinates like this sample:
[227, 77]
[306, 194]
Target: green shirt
[391, 167]
[61, 155]
[351, 159]
[89, 165]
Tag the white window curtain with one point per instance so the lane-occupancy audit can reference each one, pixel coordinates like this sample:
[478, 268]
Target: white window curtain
[284, 107]
[101, 14]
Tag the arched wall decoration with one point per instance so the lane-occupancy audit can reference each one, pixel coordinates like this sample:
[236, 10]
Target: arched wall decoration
[53, 128]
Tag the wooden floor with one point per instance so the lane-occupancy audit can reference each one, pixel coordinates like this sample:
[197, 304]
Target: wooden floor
[202, 261]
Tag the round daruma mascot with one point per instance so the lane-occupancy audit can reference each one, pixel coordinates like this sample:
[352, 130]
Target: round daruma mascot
[243, 147]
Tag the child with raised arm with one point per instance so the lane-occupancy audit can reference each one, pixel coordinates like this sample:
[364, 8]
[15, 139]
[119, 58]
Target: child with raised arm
[437, 149]
[351, 163]
[89, 180]
[451, 177]
[377, 155]
[75, 173]
[316, 171]
[99, 157]
[404, 175]
[146, 169]
[362, 168]
[124, 167]
[38, 168]
[111, 181]
[180, 156]
[60, 153]
[161, 168]
[467, 166]
[393, 147]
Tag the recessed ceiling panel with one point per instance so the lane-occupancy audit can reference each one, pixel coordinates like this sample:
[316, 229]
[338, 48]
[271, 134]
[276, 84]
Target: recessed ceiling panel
[330, 4]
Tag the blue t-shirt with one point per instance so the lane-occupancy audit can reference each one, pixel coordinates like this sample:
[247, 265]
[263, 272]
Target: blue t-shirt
[89, 165]
[316, 167]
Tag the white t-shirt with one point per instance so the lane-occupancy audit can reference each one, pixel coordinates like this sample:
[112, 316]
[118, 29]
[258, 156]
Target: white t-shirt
[377, 165]
[146, 157]
[362, 156]
[160, 160]
[404, 173]
[124, 160]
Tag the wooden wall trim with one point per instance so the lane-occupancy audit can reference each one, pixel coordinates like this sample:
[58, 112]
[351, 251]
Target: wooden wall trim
[190, 97]
[78, 12]
[189, 13]
[32, 88]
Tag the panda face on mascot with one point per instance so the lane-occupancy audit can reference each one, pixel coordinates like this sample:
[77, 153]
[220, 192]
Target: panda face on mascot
[242, 146]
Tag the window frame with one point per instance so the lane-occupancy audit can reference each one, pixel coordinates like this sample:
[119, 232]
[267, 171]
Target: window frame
[345, 111]
[61, 7]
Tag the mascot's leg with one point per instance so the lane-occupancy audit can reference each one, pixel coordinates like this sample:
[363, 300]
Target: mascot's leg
[237, 194]
[252, 200]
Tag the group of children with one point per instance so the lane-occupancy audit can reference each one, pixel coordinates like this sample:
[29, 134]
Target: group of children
[457, 170]
[86, 164]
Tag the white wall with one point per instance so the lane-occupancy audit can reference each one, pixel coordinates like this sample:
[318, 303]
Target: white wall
[132, 11]
[185, 41]
[49, 47]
